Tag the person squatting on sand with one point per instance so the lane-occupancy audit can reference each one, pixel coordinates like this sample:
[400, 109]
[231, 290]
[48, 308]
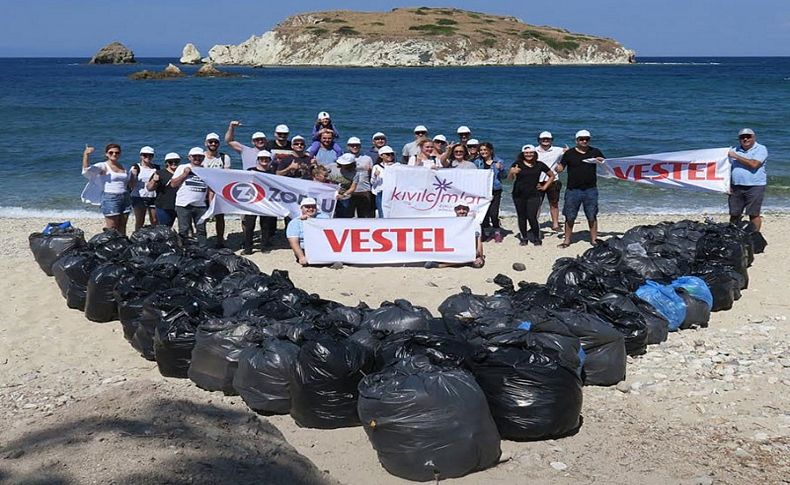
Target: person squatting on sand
[747, 188]
[109, 185]
[295, 230]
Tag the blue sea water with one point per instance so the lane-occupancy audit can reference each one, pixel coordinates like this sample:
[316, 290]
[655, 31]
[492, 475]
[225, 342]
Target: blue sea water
[51, 108]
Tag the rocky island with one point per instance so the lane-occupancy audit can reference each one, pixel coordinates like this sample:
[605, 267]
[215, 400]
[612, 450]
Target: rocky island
[113, 53]
[416, 37]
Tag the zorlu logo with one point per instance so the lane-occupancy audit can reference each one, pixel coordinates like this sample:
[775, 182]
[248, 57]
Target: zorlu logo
[243, 192]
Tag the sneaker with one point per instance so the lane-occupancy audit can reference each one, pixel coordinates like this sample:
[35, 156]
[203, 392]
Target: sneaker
[431, 265]
[497, 236]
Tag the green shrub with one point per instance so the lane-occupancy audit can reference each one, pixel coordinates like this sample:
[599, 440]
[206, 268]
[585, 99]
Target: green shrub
[446, 22]
[430, 29]
[346, 31]
[336, 21]
[489, 42]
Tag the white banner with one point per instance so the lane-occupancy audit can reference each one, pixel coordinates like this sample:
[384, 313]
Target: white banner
[262, 194]
[707, 170]
[422, 192]
[390, 241]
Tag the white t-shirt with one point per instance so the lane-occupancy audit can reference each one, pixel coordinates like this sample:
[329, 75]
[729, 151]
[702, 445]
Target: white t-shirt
[550, 157]
[430, 163]
[143, 177]
[192, 190]
[221, 161]
[249, 157]
[411, 149]
[377, 177]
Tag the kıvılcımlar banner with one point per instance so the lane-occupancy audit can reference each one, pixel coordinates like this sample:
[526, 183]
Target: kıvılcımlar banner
[390, 241]
[262, 194]
[707, 170]
[422, 192]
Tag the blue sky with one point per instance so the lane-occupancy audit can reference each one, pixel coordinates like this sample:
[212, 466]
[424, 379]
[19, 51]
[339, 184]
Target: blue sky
[161, 28]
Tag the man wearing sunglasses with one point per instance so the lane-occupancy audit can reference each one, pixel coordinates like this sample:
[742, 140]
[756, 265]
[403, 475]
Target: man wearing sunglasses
[216, 159]
[379, 140]
[299, 163]
[747, 188]
[411, 149]
[295, 230]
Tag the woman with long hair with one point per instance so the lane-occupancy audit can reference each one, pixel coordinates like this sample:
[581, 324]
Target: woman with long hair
[427, 157]
[528, 192]
[111, 180]
[489, 161]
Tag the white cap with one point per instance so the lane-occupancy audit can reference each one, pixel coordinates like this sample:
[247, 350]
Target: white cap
[463, 129]
[581, 133]
[197, 151]
[322, 115]
[440, 138]
[258, 134]
[282, 129]
[353, 141]
[172, 156]
[212, 136]
[297, 137]
[472, 141]
[377, 135]
[420, 128]
[386, 149]
[308, 201]
[346, 159]
[528, 148]
[745, 131]
[150, 151]
[264, 153]
[545, 134]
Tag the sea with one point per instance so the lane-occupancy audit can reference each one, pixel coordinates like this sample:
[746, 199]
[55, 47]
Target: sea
[52, 107]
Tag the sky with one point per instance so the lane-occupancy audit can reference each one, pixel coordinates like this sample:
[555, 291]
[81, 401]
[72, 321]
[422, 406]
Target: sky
[160, 28]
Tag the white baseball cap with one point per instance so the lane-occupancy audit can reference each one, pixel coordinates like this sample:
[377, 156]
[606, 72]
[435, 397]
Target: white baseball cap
[264, 153]
[463, 129]
[440, 138]
[582, 133]
[378, 134]
[172, 156]
[528, 148]
[197, 151]
[258, 134]
[146, 150]
[545, 134]
[420, 128]
[282, 129]
[212, 136]
[472, 141]
[386, 149]
[297, 137]
[346, 159]
[308, 201]
[322, 115]
[354, 141]
[745, 131]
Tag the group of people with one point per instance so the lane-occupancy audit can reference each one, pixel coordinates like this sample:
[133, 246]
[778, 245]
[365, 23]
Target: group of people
[174, 192]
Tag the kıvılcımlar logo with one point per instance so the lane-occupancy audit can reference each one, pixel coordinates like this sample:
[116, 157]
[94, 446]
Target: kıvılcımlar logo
[441, 195]
[243, 192]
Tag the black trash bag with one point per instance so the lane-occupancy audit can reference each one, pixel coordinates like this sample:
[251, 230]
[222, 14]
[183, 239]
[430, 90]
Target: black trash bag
[174, 340]
[604, 347]
[441, 348]
[697, 311]
[657, 325]
[621, 312]
[324, 382]
[201, 274]
[215, 358]
[48, 248]
[369, 340]
[109, 245]
[72, 272]
[724, 284]
[466, 308]
[100, 304]
[130, 293]
[397, 317]
[427, 421]
[758, 242]
[503, 281]
[348, 315]
[532, 391]
[649, 267]
[157, 233]
[234, 263]
[729, 251]
[533, 298]
[263, 376]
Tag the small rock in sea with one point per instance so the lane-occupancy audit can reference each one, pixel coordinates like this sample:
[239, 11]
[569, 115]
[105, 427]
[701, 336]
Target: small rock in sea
[169, 72]
[208, 70]
[519, 267]
[559, 466]
[190, 55]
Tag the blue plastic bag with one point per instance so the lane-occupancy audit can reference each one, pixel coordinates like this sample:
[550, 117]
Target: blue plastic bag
[56, 225]
[695, 287]
[666, 302]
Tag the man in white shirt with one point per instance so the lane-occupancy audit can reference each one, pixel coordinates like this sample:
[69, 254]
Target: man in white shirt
[550, 155]
[249, 155]
[190, 196]
[411, 149]
[216, 159]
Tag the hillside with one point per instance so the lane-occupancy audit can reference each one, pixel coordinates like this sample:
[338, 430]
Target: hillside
[417, 37]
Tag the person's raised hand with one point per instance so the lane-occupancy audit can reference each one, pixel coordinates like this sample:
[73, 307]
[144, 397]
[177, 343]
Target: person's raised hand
[235, 123]
[88, 150]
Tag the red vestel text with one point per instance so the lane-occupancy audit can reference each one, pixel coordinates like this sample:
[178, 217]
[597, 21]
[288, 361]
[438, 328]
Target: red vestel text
[401, 240]
[669, 170]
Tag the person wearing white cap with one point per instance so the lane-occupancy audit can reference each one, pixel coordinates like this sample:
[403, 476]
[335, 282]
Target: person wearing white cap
[108, 186]
[281, 145]
[362, 201]
[348, 179]
[325, 150]
[528, 192]
[191, 197]
[385, 159]
[143, 200]
[324, 122]
[299, 163]
[294, 232]
[411, 149]
[550, 155]
[378, 140]
[165, 194]
[464, 134]
[268, 224]
[582, 190]
[440, 144]
[248, 153]
[473, 148]
[216, 159]
[748, 179]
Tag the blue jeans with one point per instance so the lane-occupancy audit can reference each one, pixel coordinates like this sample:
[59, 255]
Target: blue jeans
[189, 216]
[379, 210]
[575, 198]
[165, 217]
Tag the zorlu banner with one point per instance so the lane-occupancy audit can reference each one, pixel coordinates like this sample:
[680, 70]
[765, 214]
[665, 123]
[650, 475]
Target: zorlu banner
[707, 170]
[262, 194]
[390, 241]
[422, 192]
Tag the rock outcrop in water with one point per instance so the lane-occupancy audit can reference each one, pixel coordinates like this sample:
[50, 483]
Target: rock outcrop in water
[169, 72]
[190, 55]
[417, 37]
[209, 70]
[114, 53]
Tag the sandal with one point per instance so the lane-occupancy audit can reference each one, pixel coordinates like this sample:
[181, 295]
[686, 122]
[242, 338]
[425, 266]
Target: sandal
[563, 245]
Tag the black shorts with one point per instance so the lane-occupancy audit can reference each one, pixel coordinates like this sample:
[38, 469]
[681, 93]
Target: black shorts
[746, 199]
[553, 192]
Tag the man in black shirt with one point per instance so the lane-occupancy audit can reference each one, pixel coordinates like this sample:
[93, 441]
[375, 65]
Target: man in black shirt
[268, 223]
[581, 162]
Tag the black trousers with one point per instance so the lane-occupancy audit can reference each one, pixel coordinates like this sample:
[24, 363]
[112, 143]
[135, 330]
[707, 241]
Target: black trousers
[527, 209]
[491, 218]
[362, 204]
[268, 228]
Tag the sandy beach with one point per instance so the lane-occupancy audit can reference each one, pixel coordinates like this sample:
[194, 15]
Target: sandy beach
[707, 406]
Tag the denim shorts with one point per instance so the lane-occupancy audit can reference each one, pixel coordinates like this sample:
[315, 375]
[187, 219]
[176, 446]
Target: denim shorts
[115, 204]
[144, 202]
[575, 198]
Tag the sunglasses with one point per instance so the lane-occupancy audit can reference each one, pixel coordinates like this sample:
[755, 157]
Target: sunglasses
[464, 135]
[173, 162]
[546, 139]
[379, 138]
[147, 155]
[258, 139]
[420, 133]
[309, 207]
[113, 153]
[298, 143]
[212, 142]
[354, 145]
[583, 138]
[745, 137]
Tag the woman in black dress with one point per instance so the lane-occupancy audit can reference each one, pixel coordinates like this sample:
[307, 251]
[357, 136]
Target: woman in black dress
[528, 192]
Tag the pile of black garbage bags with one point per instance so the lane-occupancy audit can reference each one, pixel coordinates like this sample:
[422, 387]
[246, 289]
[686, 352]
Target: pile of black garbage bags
[435, 395]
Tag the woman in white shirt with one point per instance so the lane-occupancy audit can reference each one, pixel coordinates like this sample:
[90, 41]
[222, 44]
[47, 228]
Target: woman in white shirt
[428, 157]
[111, 180]
[143, 200]
[385, 159]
